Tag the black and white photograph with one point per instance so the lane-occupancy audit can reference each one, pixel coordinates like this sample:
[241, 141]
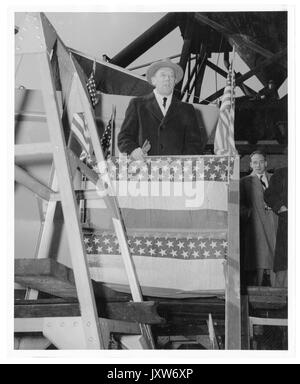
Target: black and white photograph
[152, 158]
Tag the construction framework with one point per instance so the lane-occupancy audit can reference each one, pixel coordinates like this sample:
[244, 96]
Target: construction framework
[81, 320]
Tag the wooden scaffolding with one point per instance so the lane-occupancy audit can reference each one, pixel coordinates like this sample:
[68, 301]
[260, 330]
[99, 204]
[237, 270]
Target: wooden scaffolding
[79, 318]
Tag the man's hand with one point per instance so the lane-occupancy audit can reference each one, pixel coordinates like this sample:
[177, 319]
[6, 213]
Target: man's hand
[146, 147]
[140, 153]
[137, 154]
[283, 208]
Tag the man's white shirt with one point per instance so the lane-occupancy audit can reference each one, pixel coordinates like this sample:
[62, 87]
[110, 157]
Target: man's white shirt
[159, 99]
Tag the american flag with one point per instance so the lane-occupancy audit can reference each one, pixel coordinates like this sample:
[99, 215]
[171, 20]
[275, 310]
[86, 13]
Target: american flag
[175, 246]
[91, 87]
[107, 134]
[224, 137]
[81, 133]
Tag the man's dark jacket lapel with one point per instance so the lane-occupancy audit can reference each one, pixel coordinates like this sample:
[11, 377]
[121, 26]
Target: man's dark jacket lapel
[154, 108]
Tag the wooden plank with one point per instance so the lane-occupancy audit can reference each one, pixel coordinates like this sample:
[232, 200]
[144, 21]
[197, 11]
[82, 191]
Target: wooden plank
[268, 302]
[267, 291]
[145, 312]
[49, 276]
[267, 321]
[35, 325]
[187, 329]
[87, 171]
[45, 275]
[245, 323]
[31, 183]
[30, 116]
[34, 151]
[85, 293]
[233, 298]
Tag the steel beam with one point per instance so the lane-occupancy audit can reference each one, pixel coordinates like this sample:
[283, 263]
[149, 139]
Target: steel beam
[145, 41]
[229, 34]
[247, 75]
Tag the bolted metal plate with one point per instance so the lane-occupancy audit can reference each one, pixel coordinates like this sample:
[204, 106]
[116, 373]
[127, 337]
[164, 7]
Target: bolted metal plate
[35, 35]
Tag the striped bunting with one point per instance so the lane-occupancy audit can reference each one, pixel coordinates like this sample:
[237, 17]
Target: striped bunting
[177, 250]
[170, 183]
[224, 138]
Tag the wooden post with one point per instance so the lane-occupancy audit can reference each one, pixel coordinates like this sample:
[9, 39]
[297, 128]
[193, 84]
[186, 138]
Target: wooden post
[245, 322]
[232, 295]
[86, 297]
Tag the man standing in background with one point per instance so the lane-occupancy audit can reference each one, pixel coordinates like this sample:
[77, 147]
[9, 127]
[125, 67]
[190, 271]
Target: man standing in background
[276, 196]
[259, 223]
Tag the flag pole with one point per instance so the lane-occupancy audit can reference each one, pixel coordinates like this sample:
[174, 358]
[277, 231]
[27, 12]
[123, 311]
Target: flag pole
[232, 74]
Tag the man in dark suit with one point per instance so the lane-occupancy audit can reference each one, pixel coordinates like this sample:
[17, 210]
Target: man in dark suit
[258, 222]
[158, 123]
[276, 196]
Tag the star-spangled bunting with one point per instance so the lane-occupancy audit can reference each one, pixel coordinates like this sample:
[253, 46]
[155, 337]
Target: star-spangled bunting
[162, 246]
[214, 168]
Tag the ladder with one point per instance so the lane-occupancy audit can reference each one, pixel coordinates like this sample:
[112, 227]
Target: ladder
[37, 37]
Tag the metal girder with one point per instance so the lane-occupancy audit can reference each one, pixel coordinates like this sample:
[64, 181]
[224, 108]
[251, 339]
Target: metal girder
[229, 34]
[145, 41]
[246, 76]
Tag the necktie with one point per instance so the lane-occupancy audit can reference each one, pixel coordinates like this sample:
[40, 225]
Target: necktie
[165, 102]
[263, 183]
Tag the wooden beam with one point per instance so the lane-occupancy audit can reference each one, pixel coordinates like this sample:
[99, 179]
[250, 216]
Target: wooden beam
[30, 116]
[245, 322]
[233, 295]
[49, 276]
[145, 312]
[36, 151]
[266, 291]
[268, 298]
[92, 331]
[31, 183]
[247, 75]
[229, 34]
[87, 171]
[36, 325]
